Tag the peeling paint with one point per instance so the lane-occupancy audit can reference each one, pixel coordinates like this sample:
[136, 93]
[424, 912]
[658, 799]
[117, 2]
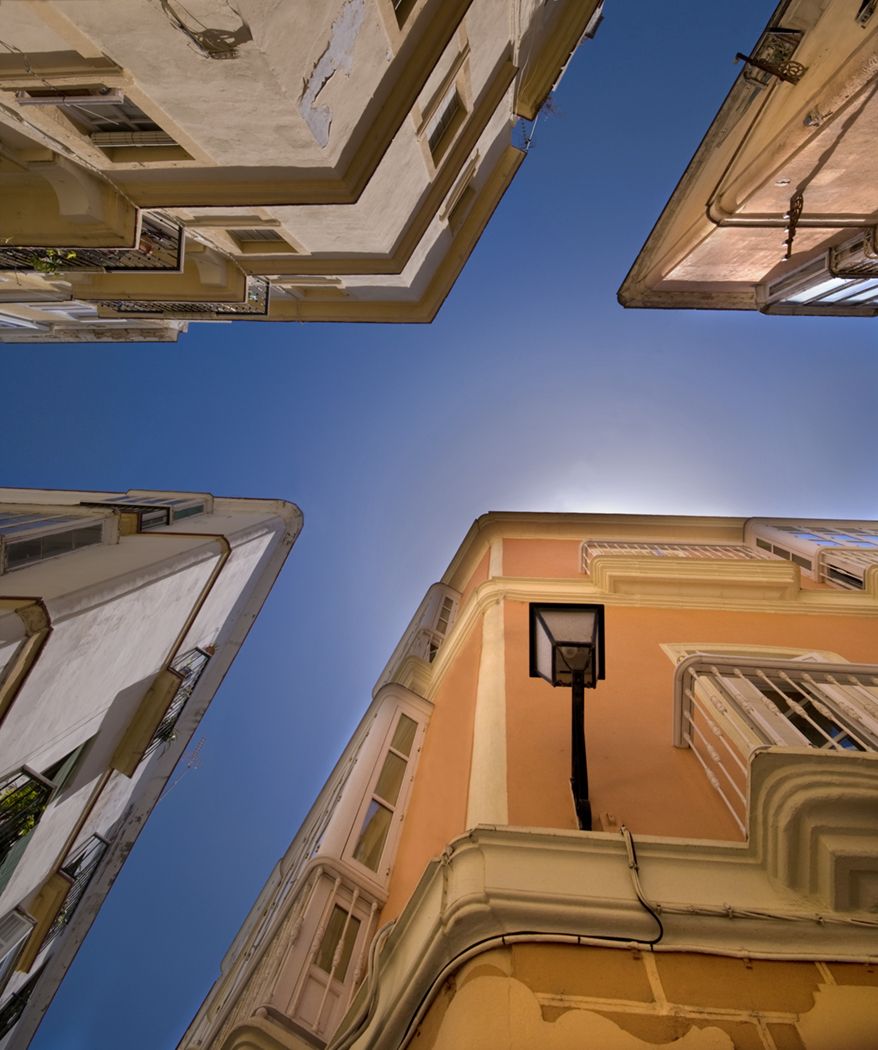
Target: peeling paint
[338, 57]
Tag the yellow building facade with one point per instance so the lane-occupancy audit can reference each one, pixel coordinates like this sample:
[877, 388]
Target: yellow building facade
[777, 209]
[166, 162]
[442, 891]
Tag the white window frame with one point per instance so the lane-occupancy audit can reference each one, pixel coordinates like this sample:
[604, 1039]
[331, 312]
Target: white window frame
[399, 810]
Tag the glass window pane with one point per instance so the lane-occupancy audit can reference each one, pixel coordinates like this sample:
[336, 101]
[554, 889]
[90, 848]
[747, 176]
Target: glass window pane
[390, 779]
[329, 944]
[373, 835]
[404, 735]
[23, 553]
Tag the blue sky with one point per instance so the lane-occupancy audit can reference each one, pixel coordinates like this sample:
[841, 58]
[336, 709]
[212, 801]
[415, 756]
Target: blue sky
[533, 390]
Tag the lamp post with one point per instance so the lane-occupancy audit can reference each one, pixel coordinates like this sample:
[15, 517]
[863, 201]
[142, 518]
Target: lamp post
[567, 648]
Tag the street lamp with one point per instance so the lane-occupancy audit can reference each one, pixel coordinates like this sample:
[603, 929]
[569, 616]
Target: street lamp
[567, 648]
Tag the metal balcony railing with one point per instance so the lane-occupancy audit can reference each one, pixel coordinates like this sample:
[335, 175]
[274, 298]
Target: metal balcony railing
[13, 1008]
[191, 666]
[728, 707]
[255, 304]
[81, 867]
[702, 551]
[23, 797]
[160, 248]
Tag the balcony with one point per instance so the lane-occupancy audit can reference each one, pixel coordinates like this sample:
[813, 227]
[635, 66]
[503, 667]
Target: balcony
[160, 247]
[14, 1007]
[592, 549]
[154, 721]
[191, 667]
[726, 708]
[687, 569]
[80, 868]
[254, 304]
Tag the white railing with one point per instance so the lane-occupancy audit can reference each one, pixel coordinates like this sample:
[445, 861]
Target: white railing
[728, 707]
[704, 551]
[846, 566]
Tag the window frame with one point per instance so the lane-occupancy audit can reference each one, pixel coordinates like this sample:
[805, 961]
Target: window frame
[399, 809]
[39, 523]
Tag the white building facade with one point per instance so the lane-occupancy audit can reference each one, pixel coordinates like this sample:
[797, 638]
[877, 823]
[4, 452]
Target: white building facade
[120, 613]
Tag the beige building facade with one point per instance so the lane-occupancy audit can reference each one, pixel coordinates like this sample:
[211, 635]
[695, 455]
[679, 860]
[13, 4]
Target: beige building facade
[777, 210]
[166, 162]
[443, 891]
[120, 614]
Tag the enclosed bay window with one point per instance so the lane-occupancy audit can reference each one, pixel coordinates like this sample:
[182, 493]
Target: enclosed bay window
[28, 537]
[386, 794]
[728, 705]
[141, 513]
[110, 120]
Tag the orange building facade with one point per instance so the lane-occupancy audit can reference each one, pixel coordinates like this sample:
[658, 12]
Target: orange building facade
[441, 894]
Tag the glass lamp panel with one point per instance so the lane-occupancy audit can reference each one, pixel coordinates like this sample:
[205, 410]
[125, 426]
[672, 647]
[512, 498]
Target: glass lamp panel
[576, 626]
[543, 650]
[373, 835]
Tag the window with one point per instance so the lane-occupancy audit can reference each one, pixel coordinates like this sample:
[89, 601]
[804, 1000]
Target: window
[836, 553]
[385, 795]
[443, 128]
[461, 208]
[337, 946]
[846, 275]
[27, 537]
[730, 703]
[867, 9]
[141, 513]
[24, 797]
[402, 9]
[261, 241]
[111, 121]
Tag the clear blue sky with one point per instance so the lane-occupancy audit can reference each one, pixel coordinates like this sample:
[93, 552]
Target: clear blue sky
[533, 390]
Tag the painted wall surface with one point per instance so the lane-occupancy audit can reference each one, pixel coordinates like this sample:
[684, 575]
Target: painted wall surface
[635, 773]
[556, 997]
[554, 559]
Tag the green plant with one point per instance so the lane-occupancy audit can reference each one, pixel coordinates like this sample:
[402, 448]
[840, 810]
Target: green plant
[51, 260]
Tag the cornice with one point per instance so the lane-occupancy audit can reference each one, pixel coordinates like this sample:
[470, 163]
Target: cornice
[423, 310]
[717, 593]
[500, 885]
[413, 233]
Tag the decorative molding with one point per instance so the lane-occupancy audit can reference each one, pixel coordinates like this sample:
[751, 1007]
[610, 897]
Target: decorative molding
[501, 885]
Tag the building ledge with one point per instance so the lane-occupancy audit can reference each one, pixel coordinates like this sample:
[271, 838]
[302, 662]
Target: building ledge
[767, 898]
[620, 574]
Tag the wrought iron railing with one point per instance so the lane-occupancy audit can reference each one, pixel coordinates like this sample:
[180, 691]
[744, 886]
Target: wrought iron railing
[728, 707]
[703, 551]
[81, 867]
[13, 1008]
[23, 798]
[160, 248]
[255, 304]
[191, 666]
